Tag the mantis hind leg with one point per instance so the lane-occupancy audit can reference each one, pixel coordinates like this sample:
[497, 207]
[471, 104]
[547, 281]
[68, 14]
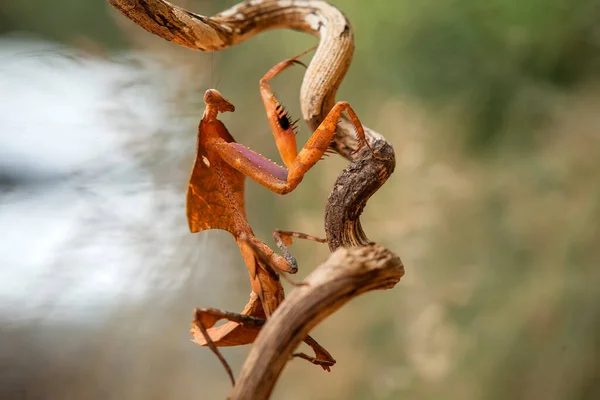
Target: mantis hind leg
[322, 356]
[206, 318]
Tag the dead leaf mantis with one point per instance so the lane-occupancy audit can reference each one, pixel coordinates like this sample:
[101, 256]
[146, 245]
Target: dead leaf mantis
[215, 200]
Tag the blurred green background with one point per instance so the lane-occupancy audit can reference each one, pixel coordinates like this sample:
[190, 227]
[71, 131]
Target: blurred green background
[492, 108]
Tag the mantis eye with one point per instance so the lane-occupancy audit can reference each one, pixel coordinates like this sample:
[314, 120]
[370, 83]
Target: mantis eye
[212, 96]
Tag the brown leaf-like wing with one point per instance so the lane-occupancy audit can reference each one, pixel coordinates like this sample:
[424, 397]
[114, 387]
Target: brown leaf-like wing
[215, 196]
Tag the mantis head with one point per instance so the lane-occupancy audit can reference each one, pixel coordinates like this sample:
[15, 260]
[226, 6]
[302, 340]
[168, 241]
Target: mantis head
[214, 99]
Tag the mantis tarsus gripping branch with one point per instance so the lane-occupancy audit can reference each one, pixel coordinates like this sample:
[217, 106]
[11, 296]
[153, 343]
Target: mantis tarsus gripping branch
[369, 266]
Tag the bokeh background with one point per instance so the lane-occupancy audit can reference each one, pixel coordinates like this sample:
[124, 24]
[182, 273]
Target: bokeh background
[493, 110]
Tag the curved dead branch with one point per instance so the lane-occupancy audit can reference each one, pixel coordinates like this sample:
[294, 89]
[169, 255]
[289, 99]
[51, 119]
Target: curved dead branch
[346, 274]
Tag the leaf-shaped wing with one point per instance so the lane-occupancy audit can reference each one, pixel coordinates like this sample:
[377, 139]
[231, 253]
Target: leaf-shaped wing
[215, 196]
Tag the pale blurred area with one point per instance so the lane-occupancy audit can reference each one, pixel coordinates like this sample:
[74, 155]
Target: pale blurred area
[494, 207]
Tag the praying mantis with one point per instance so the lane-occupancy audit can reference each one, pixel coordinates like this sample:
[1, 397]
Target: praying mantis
[215, 200]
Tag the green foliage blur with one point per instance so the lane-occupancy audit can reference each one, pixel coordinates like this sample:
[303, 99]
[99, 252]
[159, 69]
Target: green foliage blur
[492, 107]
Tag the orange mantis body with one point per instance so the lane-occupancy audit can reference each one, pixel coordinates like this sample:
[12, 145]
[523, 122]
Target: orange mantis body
[215, 200]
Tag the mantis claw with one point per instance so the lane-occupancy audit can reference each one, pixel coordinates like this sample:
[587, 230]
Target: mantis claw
[294, 61]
